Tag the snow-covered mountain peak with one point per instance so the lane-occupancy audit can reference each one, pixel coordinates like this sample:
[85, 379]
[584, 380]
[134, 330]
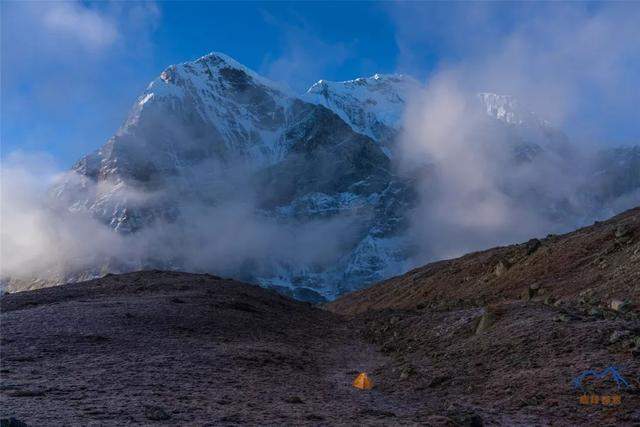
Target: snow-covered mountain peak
[213, 68]
[527, 130]
[377, 83]
[372, 106]
[219, 58]
[236, 111]
[212, 138]
[509, 110]
[379, 92]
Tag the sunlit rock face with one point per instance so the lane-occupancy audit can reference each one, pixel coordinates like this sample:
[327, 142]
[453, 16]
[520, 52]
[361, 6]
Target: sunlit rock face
[218, 169]
[212, 132]
[372, 106]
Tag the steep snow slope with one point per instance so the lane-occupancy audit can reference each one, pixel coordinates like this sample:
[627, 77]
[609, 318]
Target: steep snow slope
[212, 133]
[218, 169]
[372, 106]
[529, 133]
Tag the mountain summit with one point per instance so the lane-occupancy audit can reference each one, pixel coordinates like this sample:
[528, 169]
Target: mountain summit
[372, 106]
[212, 134]
[218, 169]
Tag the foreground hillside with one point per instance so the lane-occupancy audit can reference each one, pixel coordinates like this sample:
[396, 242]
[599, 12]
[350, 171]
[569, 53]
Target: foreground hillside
[154, 347]
[592, 265]
[508, 329]
[492, 338]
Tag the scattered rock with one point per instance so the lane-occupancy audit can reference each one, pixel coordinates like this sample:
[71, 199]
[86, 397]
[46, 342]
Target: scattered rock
[27, 393]
[376, 413]
[623, 234]
[94, 338]
[622, 231]
[12, 422]
[502, 267]
[596, 312]
[232, 419]
[241, 306]
[435, 382]
[562, 317]
[587, 297]
[531, 292]
[465, 418]
[618, 335]
[20, 359]
[486, 321]
[532, 246]
[406, 372]
[294, 399]
[314, 417]
[388, 348]
[619, 305]
[635, 351]
[156, 413]
[550, 300]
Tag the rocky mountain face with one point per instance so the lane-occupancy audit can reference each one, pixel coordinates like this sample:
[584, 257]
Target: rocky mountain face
[617, 174]
[371, 106]
[212, 131]
[211, 140]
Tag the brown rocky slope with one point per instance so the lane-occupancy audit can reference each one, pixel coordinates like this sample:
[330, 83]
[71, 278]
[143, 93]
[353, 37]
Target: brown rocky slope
[507, 329]
[493, 338]
[602, 260]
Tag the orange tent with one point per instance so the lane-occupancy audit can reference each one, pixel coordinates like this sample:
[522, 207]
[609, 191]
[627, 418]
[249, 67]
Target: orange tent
[363, 382]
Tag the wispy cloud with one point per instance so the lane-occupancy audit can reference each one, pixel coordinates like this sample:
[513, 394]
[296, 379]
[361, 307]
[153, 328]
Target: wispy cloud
[71, 27]
[77, 22]
[70, 71]
[576, 63]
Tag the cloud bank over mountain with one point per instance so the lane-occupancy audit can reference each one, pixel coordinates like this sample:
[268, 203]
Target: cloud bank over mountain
[219, 169]
[566, 63]
[575, 64]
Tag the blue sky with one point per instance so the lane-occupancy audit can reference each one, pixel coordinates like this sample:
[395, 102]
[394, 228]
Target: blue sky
[70, 71]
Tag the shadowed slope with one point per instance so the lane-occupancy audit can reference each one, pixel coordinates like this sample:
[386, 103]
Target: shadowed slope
[603, 259]
[479, 339]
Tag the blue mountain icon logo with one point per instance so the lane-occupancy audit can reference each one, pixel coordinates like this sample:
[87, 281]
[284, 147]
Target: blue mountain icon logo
[599, 375]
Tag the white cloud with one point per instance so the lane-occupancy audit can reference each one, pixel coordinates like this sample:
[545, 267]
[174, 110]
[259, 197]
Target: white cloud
[577, 64]
[57, 56]
[565, 62]
[90, 28]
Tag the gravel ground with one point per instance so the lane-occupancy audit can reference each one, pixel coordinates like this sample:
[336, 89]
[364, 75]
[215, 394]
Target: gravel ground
[176, 348]
[464, 342]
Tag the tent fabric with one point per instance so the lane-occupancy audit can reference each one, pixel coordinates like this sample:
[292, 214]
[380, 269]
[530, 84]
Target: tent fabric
[363, 382]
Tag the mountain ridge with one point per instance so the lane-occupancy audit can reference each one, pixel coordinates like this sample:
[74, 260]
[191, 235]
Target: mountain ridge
[213, 138]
